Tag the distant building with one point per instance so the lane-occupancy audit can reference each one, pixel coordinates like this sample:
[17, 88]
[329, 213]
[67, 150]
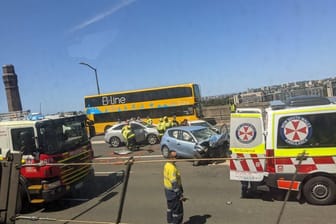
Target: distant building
[331, 88]
[284, 91]
[12, 89]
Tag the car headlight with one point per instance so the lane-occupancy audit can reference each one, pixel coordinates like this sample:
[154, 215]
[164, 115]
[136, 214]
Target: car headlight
[213, 141]
[200, 148]
[48, 186]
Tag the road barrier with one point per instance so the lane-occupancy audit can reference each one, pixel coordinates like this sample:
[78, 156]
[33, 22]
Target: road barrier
[129, 162]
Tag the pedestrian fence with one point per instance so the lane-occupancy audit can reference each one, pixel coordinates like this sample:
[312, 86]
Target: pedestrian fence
[128, 162]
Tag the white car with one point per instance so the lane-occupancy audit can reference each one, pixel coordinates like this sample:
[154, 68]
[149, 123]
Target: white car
[204, 124]
[144, 134]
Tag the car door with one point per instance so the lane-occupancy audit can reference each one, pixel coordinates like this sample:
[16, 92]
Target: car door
[140, 135]
[186, 144]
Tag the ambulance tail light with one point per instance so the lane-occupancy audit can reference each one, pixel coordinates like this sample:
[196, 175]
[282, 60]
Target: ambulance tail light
[270, 166]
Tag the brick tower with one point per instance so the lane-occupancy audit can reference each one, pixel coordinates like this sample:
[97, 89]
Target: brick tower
[12, 89]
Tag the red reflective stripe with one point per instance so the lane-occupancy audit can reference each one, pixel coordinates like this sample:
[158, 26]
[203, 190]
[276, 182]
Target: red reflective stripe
[269, 163]
[244, 165]
[285, 184]
[283, 161]
[243, 161]
[324, 160]
[232, 165]
[257, 162]
[306, 168]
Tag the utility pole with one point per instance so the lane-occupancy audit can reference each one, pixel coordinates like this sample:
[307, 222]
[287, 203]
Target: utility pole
[95, 71]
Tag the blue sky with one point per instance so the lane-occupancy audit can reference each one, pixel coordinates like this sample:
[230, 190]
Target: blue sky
[226, 46]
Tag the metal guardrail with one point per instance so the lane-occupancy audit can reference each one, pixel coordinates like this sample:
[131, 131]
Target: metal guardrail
[15, 115]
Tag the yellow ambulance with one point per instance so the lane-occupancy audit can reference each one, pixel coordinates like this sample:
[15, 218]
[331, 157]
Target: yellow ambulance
[290, 145]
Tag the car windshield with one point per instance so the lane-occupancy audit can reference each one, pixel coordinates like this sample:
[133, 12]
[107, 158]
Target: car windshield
[203, 134]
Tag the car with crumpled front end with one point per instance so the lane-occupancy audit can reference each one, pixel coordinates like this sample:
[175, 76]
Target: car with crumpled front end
[192, 142]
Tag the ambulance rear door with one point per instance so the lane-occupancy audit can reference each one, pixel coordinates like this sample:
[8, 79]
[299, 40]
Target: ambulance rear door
[247, 144]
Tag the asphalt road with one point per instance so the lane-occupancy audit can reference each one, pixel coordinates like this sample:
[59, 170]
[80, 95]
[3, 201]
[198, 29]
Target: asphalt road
[213, 198]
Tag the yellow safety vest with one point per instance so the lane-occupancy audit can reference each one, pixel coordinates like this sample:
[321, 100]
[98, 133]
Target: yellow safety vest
[171, 175]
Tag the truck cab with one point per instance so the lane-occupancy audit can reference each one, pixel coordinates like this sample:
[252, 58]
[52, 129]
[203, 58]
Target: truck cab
[45, 143]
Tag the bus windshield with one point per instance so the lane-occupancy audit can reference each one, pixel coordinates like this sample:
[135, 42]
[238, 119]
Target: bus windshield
[61, 135]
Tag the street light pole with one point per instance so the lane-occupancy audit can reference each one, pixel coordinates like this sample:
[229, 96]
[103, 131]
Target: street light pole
[95, 70]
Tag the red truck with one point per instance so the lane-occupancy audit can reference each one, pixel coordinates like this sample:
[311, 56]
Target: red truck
[48, 144]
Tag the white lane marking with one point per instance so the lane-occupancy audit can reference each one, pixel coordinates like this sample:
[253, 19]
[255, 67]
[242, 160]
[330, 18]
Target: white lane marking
[125, 157]
[109, 172]
[98, 142]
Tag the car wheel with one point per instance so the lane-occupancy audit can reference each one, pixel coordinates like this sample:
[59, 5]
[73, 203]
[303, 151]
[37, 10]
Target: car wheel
[115, 141]
[320, 190]
[152, 139]
[224, 151]
[196, 162]
[165, 151]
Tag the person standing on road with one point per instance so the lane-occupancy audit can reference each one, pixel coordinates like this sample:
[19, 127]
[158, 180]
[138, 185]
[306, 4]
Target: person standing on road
[128, 135]
[161, 127]
[184, 122]
[167, 123]
[149, 121]
[175, 122]
[173, 190]
[233, 107]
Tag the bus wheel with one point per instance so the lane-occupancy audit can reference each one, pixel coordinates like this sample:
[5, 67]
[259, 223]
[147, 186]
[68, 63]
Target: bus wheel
[114, 141]
[320, 190]
[165, 151]
[152, 139]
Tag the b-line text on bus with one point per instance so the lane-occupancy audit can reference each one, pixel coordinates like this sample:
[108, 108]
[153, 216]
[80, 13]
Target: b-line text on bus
[110, 100]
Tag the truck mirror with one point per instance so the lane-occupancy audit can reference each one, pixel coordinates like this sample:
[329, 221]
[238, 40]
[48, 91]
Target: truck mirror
[92, 131]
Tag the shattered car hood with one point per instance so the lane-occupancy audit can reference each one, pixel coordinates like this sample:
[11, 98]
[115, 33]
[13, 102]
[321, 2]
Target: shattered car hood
[215, 140]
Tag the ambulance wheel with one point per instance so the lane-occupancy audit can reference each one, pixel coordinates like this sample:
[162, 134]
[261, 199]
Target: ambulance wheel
[115, 141]
[152, 139]
[320, 190]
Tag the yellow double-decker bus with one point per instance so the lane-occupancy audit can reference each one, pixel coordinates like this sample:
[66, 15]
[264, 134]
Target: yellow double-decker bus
[183, 101]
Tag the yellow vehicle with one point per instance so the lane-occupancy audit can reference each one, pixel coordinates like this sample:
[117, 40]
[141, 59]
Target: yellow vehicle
[267, 146]
[182, 101]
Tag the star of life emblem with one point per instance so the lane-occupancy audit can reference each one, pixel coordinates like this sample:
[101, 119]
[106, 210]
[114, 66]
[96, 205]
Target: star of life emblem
[296, 130]
[246, 133]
